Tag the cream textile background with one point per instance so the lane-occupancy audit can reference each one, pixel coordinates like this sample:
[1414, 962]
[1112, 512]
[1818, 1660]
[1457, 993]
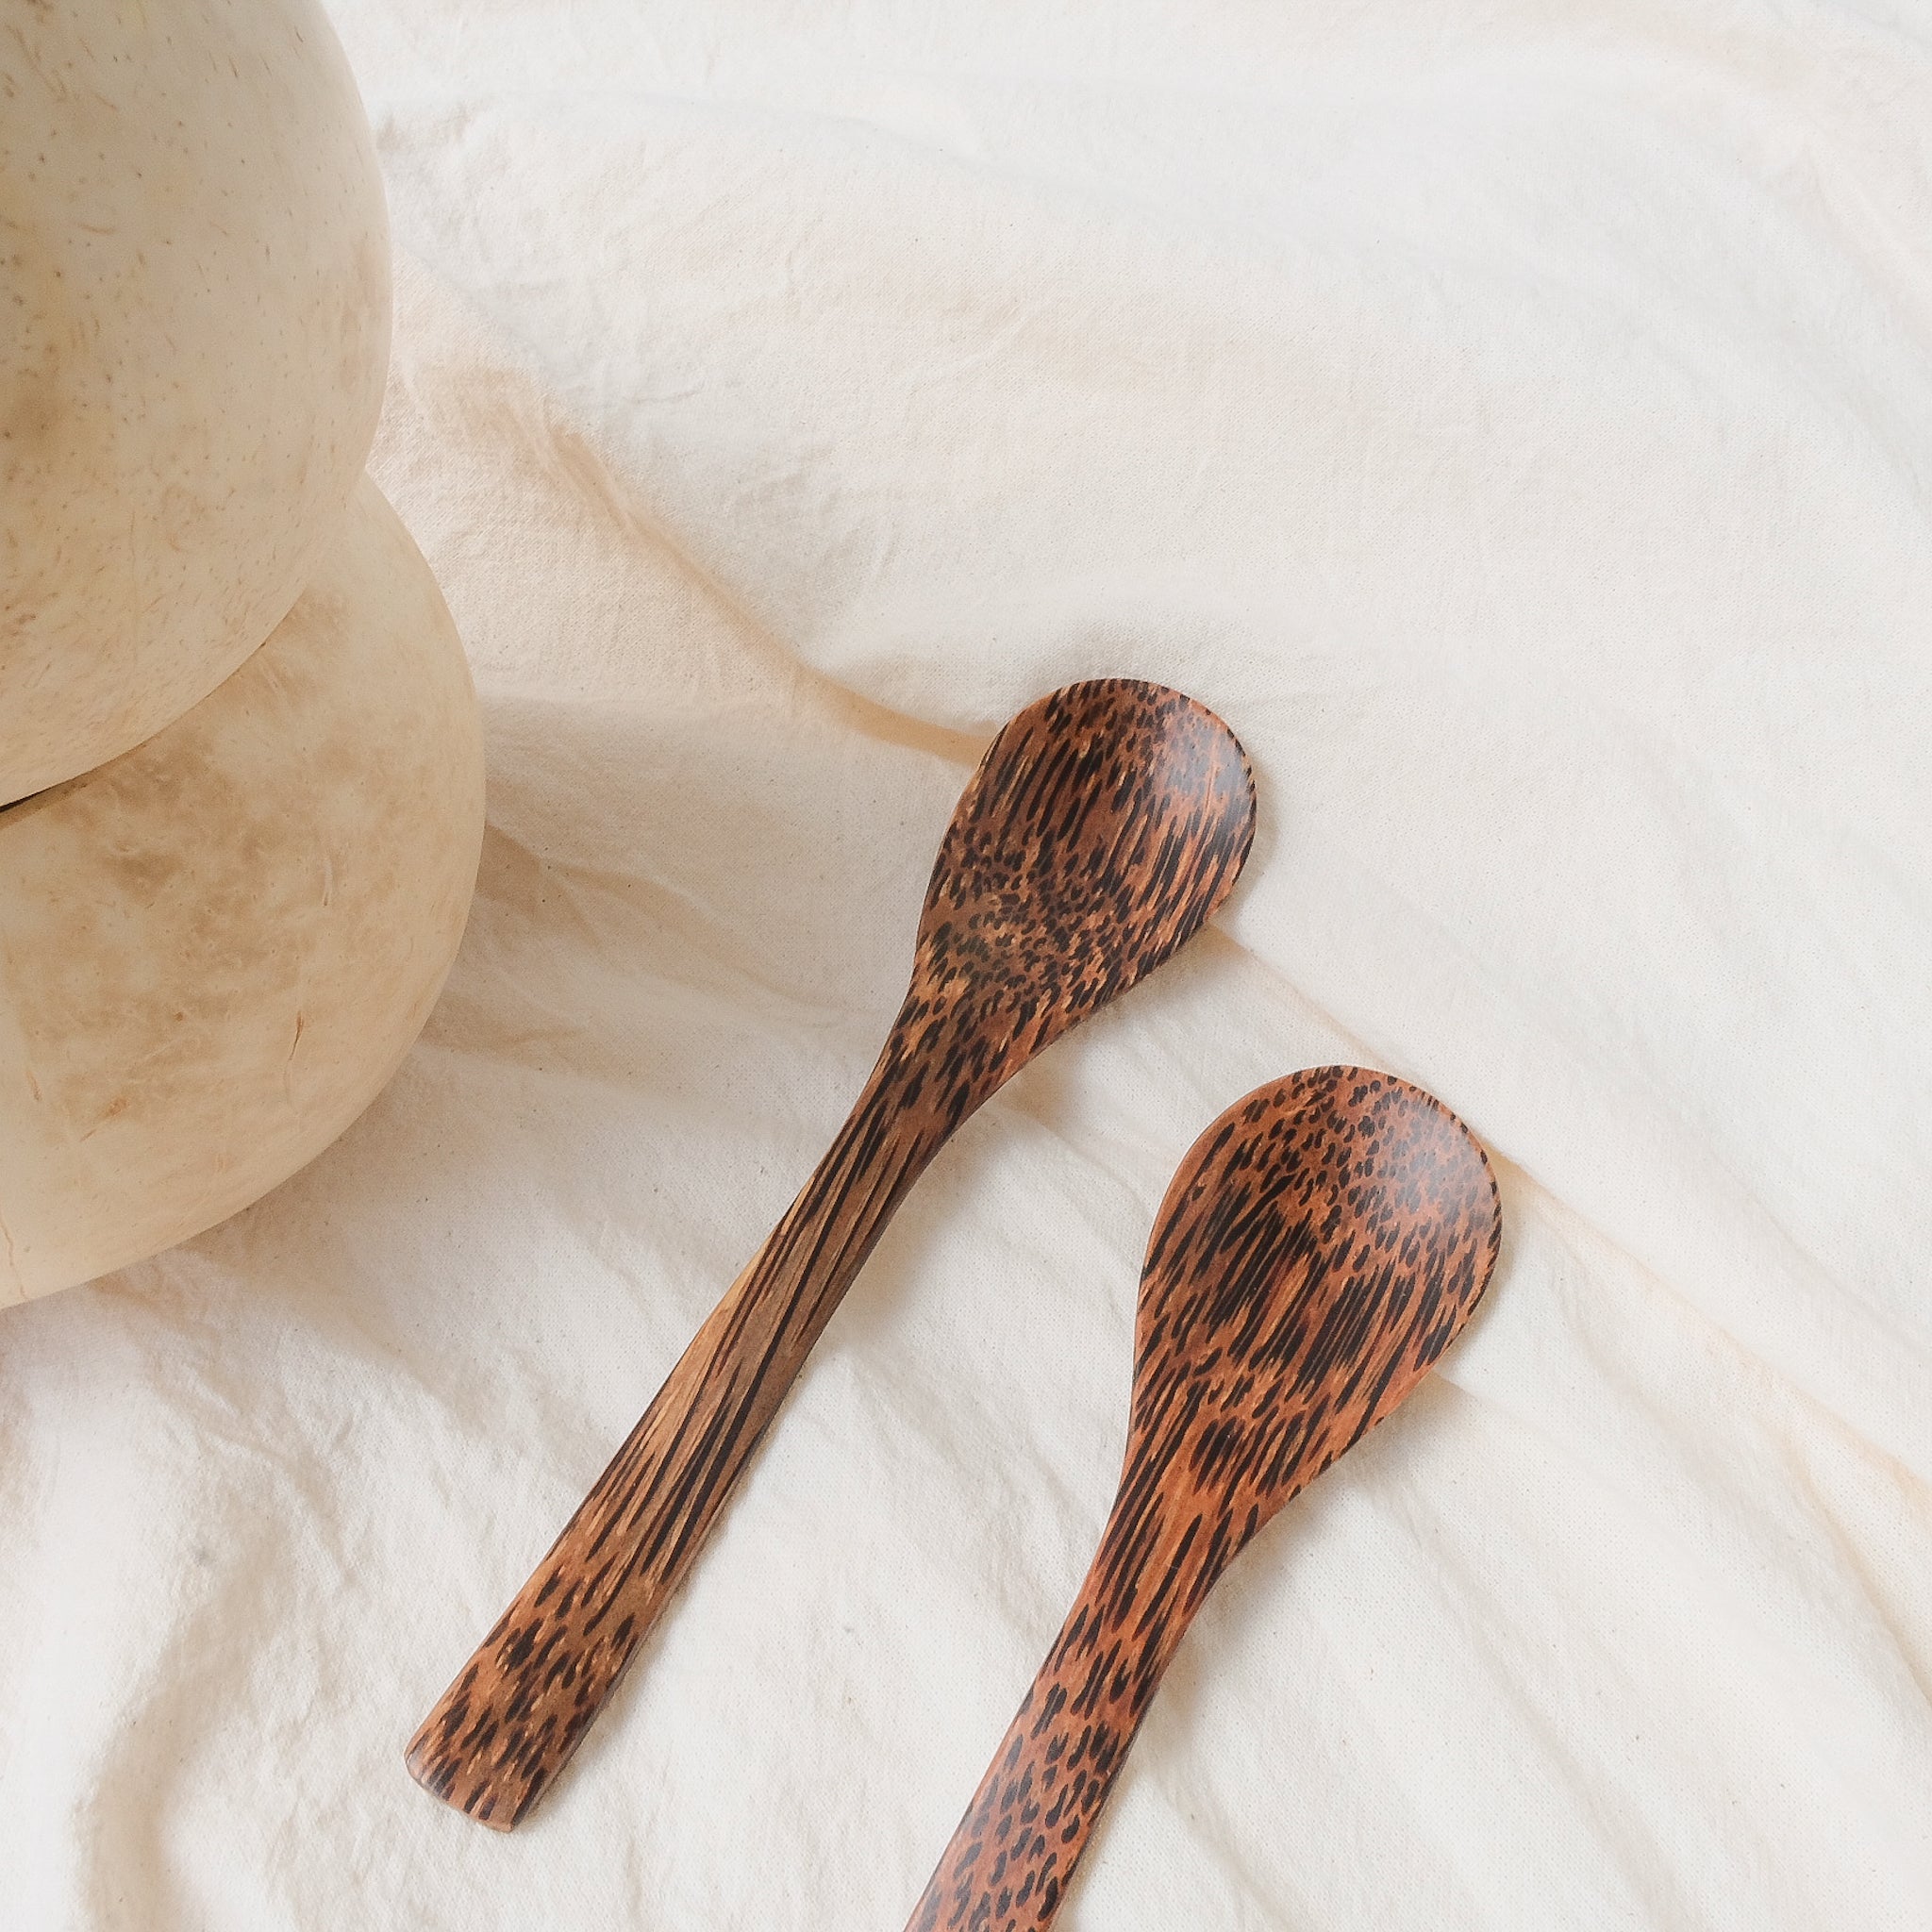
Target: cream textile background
[1517, 421]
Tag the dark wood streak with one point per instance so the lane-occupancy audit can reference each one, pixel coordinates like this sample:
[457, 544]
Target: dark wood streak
[1102, 828]
[1321, 1245]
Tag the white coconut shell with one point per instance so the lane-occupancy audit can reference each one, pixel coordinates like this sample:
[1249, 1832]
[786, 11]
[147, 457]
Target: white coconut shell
[194, 316]
[215, 949]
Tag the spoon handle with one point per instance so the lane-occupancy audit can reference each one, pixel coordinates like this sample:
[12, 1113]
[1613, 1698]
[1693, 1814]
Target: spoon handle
[1011, 1859]
[518, 1709]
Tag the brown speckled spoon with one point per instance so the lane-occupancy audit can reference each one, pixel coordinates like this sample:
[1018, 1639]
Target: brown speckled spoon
[1322, 1244]
[1103, 827]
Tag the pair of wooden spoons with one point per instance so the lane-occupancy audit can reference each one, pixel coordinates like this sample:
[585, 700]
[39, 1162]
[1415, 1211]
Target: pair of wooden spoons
[1319, 1248]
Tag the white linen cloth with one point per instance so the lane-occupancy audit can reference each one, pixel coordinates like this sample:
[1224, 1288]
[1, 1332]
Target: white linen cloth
[1515, 420]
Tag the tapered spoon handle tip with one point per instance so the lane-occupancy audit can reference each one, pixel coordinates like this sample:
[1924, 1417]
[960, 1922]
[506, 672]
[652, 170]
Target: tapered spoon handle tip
[517, 1710]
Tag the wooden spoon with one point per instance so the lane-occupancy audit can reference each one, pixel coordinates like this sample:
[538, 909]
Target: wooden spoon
[1322, 1244]
[1103, 827]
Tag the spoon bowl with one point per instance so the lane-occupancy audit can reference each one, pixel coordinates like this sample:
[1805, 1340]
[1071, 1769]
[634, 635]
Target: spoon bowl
[1322, 1244]
[1103, 825]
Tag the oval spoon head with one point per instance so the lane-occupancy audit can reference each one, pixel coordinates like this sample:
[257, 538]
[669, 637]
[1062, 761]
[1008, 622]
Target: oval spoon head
[1103, 826]
[1322, 1244]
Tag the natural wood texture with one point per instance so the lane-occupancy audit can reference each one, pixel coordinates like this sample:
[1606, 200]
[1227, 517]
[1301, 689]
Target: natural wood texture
[1321, 1246]
[1103, 827]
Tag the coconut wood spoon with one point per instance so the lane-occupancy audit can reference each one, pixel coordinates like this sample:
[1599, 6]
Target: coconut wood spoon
[1322, 1244]
[1103, 827]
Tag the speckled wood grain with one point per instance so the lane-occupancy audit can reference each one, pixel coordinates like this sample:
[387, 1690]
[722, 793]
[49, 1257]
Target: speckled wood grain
[1103, 825]
[1321, 1246]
